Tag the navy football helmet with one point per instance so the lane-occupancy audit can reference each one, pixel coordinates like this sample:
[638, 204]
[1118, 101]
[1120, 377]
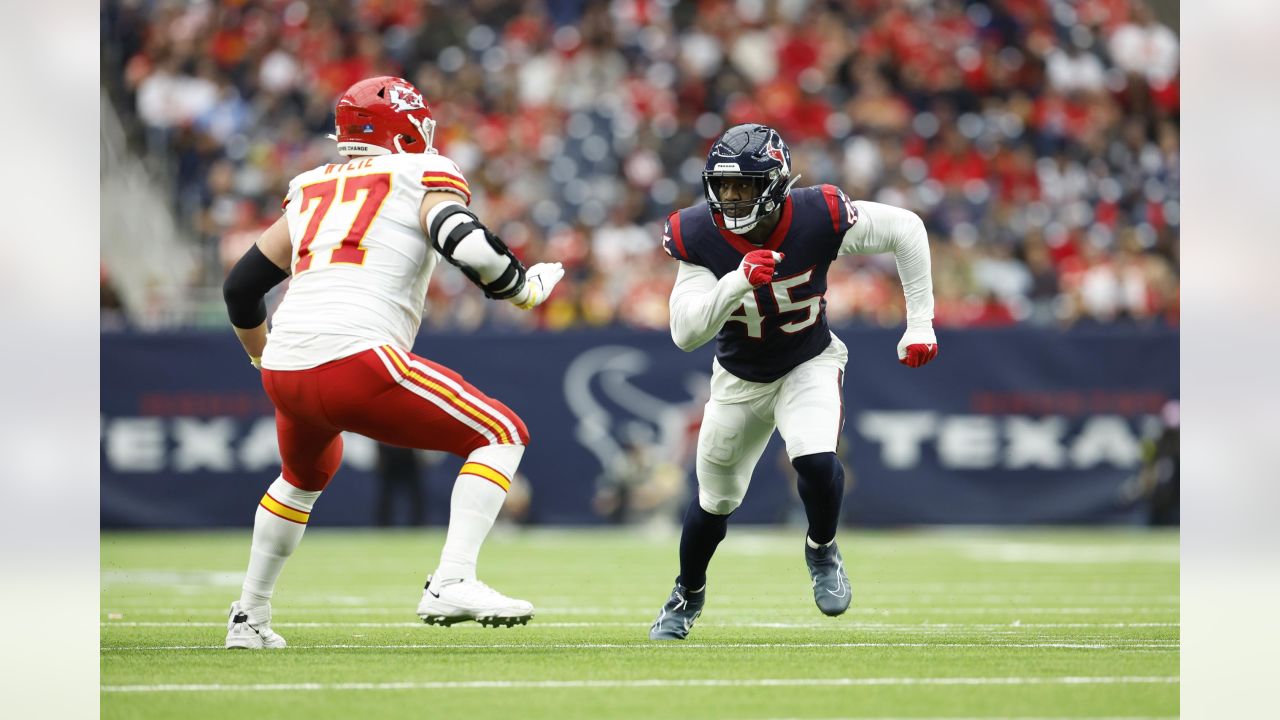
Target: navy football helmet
[757, 154]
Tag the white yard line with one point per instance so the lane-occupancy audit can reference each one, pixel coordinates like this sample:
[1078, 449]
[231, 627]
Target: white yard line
[833, 625]
[1061, 591]
[1068, 554]
[714, 646]
[873, 598]
[646, 612]
[201, 578]
[922, 599]
[647, 683]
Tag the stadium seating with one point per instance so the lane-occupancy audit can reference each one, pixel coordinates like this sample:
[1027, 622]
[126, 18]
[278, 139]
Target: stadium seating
[1043, 158]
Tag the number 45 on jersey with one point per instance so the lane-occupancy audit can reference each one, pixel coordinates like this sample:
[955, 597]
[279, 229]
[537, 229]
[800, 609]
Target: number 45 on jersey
[748, 313]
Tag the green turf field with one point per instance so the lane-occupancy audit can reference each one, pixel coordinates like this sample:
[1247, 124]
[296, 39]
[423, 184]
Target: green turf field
[959, 623]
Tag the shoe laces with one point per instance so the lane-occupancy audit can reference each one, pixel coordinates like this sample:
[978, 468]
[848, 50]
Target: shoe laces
[479, 591]
[480, 588]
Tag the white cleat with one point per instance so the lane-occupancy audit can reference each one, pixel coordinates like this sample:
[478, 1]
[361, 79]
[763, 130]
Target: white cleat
[447, 602]
[251, 629]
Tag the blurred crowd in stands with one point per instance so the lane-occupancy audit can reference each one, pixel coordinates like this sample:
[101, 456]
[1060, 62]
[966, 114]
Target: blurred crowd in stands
[1039, 139]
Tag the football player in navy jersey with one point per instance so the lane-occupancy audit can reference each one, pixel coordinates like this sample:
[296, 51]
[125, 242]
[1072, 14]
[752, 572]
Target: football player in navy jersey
[753, 272]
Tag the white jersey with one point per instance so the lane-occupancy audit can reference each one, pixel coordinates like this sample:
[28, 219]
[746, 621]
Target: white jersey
[361, 262]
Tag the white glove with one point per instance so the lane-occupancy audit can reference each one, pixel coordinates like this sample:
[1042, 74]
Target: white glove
[917, 346]
[539, 281]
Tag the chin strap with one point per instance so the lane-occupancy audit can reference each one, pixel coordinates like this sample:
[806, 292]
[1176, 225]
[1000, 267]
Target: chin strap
[426, 128]
[751, 223]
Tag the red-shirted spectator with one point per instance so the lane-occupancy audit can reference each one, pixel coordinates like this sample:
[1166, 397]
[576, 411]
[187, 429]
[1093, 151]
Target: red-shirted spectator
[955, 160]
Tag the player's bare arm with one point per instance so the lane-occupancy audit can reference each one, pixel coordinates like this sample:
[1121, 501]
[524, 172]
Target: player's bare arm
[884, 228]
[482, 256]
[261, 268]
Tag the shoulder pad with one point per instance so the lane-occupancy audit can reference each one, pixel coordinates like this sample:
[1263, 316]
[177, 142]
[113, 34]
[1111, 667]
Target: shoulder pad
[293, 187]
[439, 173]
[672, 240]
[843, 213]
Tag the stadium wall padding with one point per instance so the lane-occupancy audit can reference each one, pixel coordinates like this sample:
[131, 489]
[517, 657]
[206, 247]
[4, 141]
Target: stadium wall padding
[1007, 426]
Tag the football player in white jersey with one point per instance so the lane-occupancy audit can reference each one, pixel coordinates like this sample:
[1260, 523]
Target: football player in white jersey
[360, 240]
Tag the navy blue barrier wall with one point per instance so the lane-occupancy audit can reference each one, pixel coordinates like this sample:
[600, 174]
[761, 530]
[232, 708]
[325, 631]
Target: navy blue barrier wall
[1007, 426]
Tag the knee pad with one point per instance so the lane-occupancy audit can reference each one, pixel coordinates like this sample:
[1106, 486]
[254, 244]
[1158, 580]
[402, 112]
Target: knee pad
[521, 428]
[497, 463]
[723, 499]
[292, 497]
[723, 465]
[720, 444]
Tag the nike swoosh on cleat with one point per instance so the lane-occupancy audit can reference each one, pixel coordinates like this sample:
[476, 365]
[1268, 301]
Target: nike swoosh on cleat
[661, 614]
[844, 590]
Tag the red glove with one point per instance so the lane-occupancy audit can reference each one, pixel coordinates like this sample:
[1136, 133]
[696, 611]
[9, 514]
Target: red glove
[917, 347]
[758, 266]
[919, 354]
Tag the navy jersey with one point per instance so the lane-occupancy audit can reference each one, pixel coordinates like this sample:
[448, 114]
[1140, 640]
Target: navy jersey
[784, 322]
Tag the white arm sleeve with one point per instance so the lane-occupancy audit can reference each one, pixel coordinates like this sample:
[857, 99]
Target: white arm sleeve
[700, 304]
[884, 228]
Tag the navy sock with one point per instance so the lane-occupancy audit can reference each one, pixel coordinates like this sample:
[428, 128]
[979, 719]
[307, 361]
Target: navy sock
[821, 486]
[703, 531]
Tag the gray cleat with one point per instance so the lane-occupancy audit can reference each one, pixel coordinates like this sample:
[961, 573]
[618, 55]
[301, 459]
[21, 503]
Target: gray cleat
[830, 583]
[678, 614]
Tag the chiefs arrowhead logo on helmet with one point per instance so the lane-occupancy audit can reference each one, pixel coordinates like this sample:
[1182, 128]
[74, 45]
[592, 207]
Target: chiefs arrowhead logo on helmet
[406, 98]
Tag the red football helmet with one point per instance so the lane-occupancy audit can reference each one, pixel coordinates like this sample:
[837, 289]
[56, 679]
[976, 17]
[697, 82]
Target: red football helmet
[382, 115]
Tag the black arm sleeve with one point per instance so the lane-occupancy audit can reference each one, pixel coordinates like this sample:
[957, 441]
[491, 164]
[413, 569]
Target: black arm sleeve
[246, 285]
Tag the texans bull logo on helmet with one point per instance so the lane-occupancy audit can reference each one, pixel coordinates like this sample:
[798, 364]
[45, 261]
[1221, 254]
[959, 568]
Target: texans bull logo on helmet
[751, 152]
[777, 154]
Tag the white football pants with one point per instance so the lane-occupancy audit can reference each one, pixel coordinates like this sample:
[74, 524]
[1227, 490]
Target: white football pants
[806, 406]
